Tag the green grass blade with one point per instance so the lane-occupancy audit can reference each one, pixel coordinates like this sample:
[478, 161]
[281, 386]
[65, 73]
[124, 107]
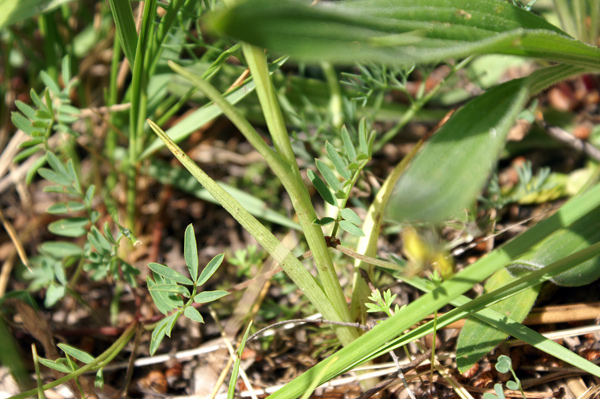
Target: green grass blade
[125, 23]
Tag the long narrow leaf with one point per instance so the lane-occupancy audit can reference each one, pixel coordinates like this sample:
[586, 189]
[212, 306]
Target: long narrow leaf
[125, 23]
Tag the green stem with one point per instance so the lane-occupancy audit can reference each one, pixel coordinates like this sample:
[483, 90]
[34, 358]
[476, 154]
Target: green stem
[138, 107]
[293, 183]
[335, 104]
[290, 177]
[113, 92]
[94, 365]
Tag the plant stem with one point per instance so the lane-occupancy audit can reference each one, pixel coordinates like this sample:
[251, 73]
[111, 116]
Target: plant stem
[293, 183]
[335, 104]
[139, 101]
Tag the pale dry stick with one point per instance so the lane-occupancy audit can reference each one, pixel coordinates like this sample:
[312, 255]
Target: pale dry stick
[304, 321]
[94, 111]
[11, 149]
[570, 332]
[232, 353]
[12, 233]
[401, 376]
[567, 138]
[7, 267]
[221, 378]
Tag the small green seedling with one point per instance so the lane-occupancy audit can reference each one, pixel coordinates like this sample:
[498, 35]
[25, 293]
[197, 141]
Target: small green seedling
[382, 304]
[169, 288]
[504, 365]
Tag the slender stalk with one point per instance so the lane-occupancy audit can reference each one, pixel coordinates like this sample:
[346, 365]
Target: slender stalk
[289, 174]
[137, 114]
[292, 180]
[335, 104]
[113, 92]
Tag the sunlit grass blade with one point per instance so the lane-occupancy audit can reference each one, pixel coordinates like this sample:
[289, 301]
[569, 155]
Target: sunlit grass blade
[125, 23]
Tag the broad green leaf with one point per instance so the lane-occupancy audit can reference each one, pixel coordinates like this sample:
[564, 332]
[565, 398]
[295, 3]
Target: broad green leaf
[55, 164]
[210, 269]
[71, 227]
[504, 364]
[448, 173]
[31, 143]
[158, 334]
[561, 243]
[192, 313]
[477, 338]
[401, 32]
[190, 251]
[351, 216]
[78, 354]
[61, 249]
[351, 228]
[125, 23]
[172, 288]
[169, 273]
[209, 296]
[65, 207]
[363, 145]
[12, 12]
[321, 187]
[54, 293]
[337, 161]
[54, 365]
[327, 173]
